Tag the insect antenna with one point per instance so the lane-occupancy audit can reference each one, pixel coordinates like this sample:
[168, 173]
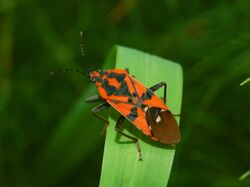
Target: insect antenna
[82, 50]
[81, 43]
[65, 70]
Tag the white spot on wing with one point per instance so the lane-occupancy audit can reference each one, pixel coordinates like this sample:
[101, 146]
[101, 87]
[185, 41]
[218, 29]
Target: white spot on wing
[158, 119]
[145, 109]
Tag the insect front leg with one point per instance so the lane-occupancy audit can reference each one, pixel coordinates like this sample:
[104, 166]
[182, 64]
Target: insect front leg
[158, 86]
[118, 129]
[94, 98]
[98, 109]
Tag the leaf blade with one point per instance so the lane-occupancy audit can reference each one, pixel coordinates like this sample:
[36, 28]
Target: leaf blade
[120, 162]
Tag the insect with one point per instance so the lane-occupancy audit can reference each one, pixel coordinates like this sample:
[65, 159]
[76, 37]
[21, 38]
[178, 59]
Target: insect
[136, 103]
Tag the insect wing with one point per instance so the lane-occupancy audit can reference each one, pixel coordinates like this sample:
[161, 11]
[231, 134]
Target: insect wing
[134, 115]
[164, 127]
[149, 98]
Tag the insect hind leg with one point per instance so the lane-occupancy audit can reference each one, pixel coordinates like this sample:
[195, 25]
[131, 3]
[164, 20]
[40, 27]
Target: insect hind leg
[135, 140]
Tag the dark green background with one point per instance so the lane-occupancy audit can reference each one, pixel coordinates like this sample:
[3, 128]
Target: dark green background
[209, 38]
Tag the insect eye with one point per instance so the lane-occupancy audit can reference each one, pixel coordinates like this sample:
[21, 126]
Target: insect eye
[92, 77]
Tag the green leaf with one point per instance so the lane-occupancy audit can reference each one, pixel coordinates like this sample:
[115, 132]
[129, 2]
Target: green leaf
[78, 134]
[120, 162]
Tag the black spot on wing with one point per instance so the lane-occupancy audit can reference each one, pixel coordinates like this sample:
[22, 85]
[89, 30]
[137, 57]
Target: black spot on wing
[109, 89]
[123, 90]
[134, 94]
[133, 114]
[118, 77]
[147, 95]
[130, 100]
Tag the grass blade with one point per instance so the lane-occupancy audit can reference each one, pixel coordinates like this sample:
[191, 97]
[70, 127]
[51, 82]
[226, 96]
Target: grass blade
[120, 162]
[245, 81]
[244, 175]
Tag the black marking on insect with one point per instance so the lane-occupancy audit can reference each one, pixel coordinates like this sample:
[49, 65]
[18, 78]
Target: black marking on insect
[147, 95]
[133, 114]
[118, 77]
[123, 90]
[109, 89]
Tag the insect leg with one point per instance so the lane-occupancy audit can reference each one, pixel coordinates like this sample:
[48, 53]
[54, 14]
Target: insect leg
[158, 86]
[94, 98]
[98, 109]
[176, 115]
[118, 129]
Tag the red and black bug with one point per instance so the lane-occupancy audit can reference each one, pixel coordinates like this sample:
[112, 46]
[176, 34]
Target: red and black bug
[136, 103]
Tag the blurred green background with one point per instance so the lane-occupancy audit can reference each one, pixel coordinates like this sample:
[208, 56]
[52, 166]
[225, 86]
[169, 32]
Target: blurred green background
[43, 140]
